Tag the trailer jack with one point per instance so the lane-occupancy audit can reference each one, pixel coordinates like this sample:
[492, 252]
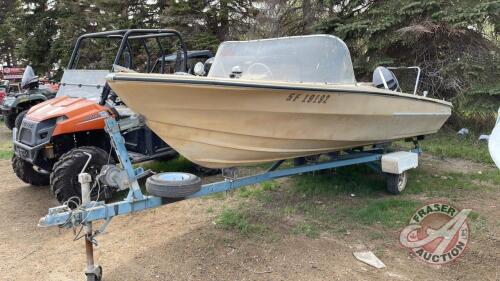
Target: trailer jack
[124, 176]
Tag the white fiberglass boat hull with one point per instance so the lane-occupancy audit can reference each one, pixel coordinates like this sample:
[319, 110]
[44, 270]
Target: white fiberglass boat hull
[221, 123]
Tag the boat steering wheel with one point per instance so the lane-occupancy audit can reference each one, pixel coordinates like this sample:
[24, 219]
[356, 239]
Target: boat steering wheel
[254, 70]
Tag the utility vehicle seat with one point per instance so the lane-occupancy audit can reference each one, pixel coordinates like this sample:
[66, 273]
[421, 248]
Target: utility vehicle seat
[124, 111]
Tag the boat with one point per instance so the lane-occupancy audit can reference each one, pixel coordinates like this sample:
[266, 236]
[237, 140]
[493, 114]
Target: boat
[273, 99]
[494, 142]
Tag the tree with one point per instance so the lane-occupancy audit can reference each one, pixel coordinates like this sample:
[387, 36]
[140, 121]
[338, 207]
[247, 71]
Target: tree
[8, 12]
[36, 27]
[455, 43]
[206, 23]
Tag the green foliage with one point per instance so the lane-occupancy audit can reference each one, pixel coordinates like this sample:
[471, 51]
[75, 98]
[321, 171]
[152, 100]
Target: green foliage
[340, 181]
[240, 220]
[455, 44]
[310, 230]
[392, 212]
[448, 144]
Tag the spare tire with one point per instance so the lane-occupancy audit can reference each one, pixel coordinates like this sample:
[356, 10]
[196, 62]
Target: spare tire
[173, 185]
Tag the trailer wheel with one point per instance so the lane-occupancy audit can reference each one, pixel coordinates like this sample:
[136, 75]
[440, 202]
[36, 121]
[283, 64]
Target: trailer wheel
[10, 120]
[173, 185]
[396, 183]
[26, 172]
[19, 119]
[64, 177]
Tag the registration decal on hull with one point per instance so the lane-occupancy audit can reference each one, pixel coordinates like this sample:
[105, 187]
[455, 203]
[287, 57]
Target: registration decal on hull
[308, 98]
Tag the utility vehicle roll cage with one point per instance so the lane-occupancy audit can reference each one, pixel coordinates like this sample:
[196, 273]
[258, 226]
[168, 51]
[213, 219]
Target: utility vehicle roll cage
[125, 35]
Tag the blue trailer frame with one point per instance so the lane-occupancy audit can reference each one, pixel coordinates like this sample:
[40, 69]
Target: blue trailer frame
[136, 201]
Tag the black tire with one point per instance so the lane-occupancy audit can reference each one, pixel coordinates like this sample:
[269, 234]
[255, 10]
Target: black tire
[396, 183]
[64, 177]
[27, 173]
[299, 161]
[203, 171]
[10, 120]
[19, 119]
[185, 185]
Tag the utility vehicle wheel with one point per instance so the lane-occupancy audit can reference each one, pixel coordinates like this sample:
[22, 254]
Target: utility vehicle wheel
[9, 120]
[173, 185]
[396, 183]
[26, 172]
[64, 177]
[19, 119]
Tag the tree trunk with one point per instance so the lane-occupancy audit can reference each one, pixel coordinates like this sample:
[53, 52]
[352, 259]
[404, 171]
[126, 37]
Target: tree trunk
[308, 14]
[223, 28]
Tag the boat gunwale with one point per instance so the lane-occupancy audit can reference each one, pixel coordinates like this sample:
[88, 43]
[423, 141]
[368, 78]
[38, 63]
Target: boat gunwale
[180, 79]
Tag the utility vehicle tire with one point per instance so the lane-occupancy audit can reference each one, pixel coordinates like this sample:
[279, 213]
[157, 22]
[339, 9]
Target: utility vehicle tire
[64, 177]
[173, 185]
[396, 183]
[19, 119]
[26, 172]
[10, 120]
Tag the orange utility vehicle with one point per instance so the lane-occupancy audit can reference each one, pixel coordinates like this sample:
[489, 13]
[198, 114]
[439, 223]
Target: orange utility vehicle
[59, 138]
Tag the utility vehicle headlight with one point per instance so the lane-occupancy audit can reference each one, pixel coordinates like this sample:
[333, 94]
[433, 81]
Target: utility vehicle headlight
[61, 118]
[8, 101]
[103, 114]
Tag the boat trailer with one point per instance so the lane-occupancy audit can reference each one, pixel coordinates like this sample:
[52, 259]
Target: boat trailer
[124, 176]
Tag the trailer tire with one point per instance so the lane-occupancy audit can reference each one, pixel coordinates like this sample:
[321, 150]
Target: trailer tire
[10, 120]
[173, 185]
[27, 173]
[64, 177]
[19, 119]
[396, 183]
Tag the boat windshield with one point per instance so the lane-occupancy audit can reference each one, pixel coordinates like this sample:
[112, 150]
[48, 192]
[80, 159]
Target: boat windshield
[313, 58]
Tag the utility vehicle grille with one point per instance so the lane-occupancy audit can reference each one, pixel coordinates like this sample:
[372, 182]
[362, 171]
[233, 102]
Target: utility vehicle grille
[33, 133]
[28, 124]
[25, 136]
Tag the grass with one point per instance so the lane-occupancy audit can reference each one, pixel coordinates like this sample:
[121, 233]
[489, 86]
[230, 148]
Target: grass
[260, 192]
[359, 180]
[447, 144]
[310, 230]
[6, 149]
[178, 164]
[388, 212]
[241, 220]
[449, 184]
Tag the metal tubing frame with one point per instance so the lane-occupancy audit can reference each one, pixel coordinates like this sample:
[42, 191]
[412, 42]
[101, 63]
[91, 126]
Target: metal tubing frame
[136, 201]
[133, 204]
[417, 80]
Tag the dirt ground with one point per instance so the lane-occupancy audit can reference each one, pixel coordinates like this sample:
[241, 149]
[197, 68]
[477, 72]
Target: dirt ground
[181, 242]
